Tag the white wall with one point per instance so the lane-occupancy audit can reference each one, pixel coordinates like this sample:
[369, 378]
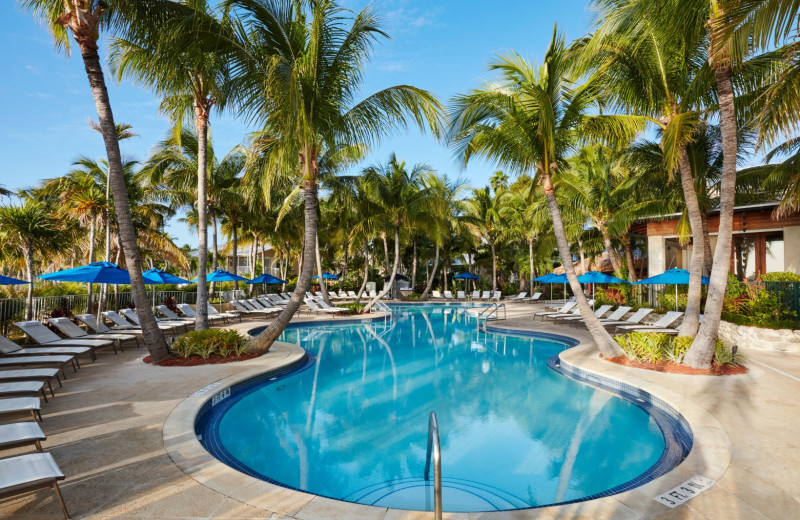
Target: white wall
[656, 255]
[791, 249]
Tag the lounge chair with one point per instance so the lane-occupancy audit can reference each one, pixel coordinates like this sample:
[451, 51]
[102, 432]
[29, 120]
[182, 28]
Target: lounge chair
[31, 374]
[30, 472]
[66, 326]
[566, 308]
[556, 305]
[614, 316]
[264, 307]
[521, 296]
[9, 348]
[664, 323]
[327, 307]
[449, 296]
[316, 308]
[352, 294]
[533, 299]
[98, 327]
[460, 295]
[277, 300]
[599, 313]
[187, 311]
[43, 361]
[165, 326]
[485, 295]
[496, 296]
[18, 434]
[373, 294]
[20, 405]
[574, 312]
[475, 295]
[212, 311]
[635, 319]
[23, 389]
[244, 310]
[437, 295]
[47, 338]
[171, 316]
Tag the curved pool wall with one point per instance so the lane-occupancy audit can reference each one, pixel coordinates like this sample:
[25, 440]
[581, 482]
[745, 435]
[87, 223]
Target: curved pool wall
[674, 429]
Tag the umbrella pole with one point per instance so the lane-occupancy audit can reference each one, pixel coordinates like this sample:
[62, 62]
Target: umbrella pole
[676, 297]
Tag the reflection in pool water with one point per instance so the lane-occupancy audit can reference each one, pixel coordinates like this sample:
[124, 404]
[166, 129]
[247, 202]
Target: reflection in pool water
[514, 433]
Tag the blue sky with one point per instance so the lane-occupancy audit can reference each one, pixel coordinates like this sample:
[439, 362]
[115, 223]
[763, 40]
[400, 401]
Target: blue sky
[440, 46]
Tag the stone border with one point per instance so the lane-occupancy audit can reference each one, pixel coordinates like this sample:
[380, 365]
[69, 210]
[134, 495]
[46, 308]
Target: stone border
[710, 455]
[774, 340]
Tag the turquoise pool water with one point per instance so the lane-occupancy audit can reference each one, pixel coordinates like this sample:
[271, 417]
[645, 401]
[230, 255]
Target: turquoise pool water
[353, 424]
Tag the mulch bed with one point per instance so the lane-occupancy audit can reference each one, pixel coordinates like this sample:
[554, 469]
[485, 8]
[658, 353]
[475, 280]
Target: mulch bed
[193, 361]
[672, 368]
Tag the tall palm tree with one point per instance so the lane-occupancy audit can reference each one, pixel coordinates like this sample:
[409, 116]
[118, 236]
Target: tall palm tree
[85, 19]
[486, 207]
[528, 122]
[191, 79]
[313, 109]
[35, 230]
[400, 203]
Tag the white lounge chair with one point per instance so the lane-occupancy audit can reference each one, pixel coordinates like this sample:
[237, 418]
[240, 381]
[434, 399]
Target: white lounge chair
[437, 295]
[475, 295]
[66, 326]
[18, 434]
[496, 295]
[662, 324]
[521, 296]
[212, 311]
[25, 473]
[23, 389]
[485, 295]
[327, 307]
[461, 295]
[169, 327]
[171, 316]
[566, 308]
[533, 299]
[557, 305]
[264, 307]
[614, 316]
[600, 312]
[188, 312]
[316, 308]
[635, 319]
[98, 327]
[449, 296]
[45, 375]
[46, 337]
[9, 348]
[21, 405]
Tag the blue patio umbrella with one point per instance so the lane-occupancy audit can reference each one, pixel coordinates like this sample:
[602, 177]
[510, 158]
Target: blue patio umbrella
[160, 276]
[674, 277]
[266, 278]
[552, 278]
[597, 277]
[327, 276]
[7, 280]
[466, 276]
[96, 272]
[220, 275]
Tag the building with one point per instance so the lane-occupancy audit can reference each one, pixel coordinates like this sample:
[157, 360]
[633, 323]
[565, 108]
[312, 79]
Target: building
[244, 260]
[762, 242]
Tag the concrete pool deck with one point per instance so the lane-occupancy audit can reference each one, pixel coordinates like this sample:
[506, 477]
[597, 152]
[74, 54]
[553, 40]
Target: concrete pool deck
[118, 431]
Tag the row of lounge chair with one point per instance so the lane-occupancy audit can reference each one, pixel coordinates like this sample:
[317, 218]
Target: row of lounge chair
[570, 314]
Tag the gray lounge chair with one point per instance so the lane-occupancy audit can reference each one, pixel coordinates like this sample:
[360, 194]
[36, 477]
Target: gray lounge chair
[23, 389]
[171, 316]
[46, 337]
[19, 405]
[188, 312]
[167, 326]
[565, 309]
[32, 374]
[9, 348]
[51, 361]
[98, 327]
[246, 309]
[663, 324]
[30, 472]
[66, 326]
[600, 312]
[14, 435]
[614, 316]
[212, 311]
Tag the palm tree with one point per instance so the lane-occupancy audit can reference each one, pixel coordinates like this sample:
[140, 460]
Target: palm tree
[191, 79]
[529, 122]
[35, 230]
[526, 217]
[313, 109]
[486, 208]
[400, 203]
[84, 19]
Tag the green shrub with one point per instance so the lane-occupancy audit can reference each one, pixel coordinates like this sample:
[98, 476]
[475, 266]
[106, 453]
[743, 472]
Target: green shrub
[780, 277]
[413, 296]
[355, 308]
[211, 342]
[651, 347]
[666, 302]
[751, 321]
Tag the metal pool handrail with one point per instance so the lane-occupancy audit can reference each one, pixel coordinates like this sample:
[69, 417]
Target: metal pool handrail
[435, 449]
[493, 312]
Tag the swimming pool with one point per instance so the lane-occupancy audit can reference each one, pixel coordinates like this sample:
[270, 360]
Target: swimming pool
[351, 423]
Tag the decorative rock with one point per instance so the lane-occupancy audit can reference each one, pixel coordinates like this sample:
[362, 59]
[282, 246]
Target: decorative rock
[782, 340]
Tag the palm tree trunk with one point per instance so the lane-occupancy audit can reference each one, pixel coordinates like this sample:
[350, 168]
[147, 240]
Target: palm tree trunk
[385, 253]
[366, 272]
[494, 267]
[27, 251]
[322, 287]
[626, 243]
[691, 318]
[264, 341]
[708, 255]
[581, 256]
[346, 259]
[612, 255]
[235, 243]
[251, 259]
[107, 217]
[201, 125]
[608, 347]
[414, 268]
[151, 334]
[92, 232]
[388, 287]
[433, 274]
[701, 353]
[530, 261]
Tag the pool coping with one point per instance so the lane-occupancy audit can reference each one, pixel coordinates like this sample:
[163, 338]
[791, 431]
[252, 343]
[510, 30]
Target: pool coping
[709, 457]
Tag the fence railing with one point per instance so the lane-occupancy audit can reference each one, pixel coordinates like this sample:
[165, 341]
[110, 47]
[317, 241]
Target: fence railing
[788, 293]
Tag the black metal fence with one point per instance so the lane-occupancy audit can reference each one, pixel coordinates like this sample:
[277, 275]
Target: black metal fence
[788, 293]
